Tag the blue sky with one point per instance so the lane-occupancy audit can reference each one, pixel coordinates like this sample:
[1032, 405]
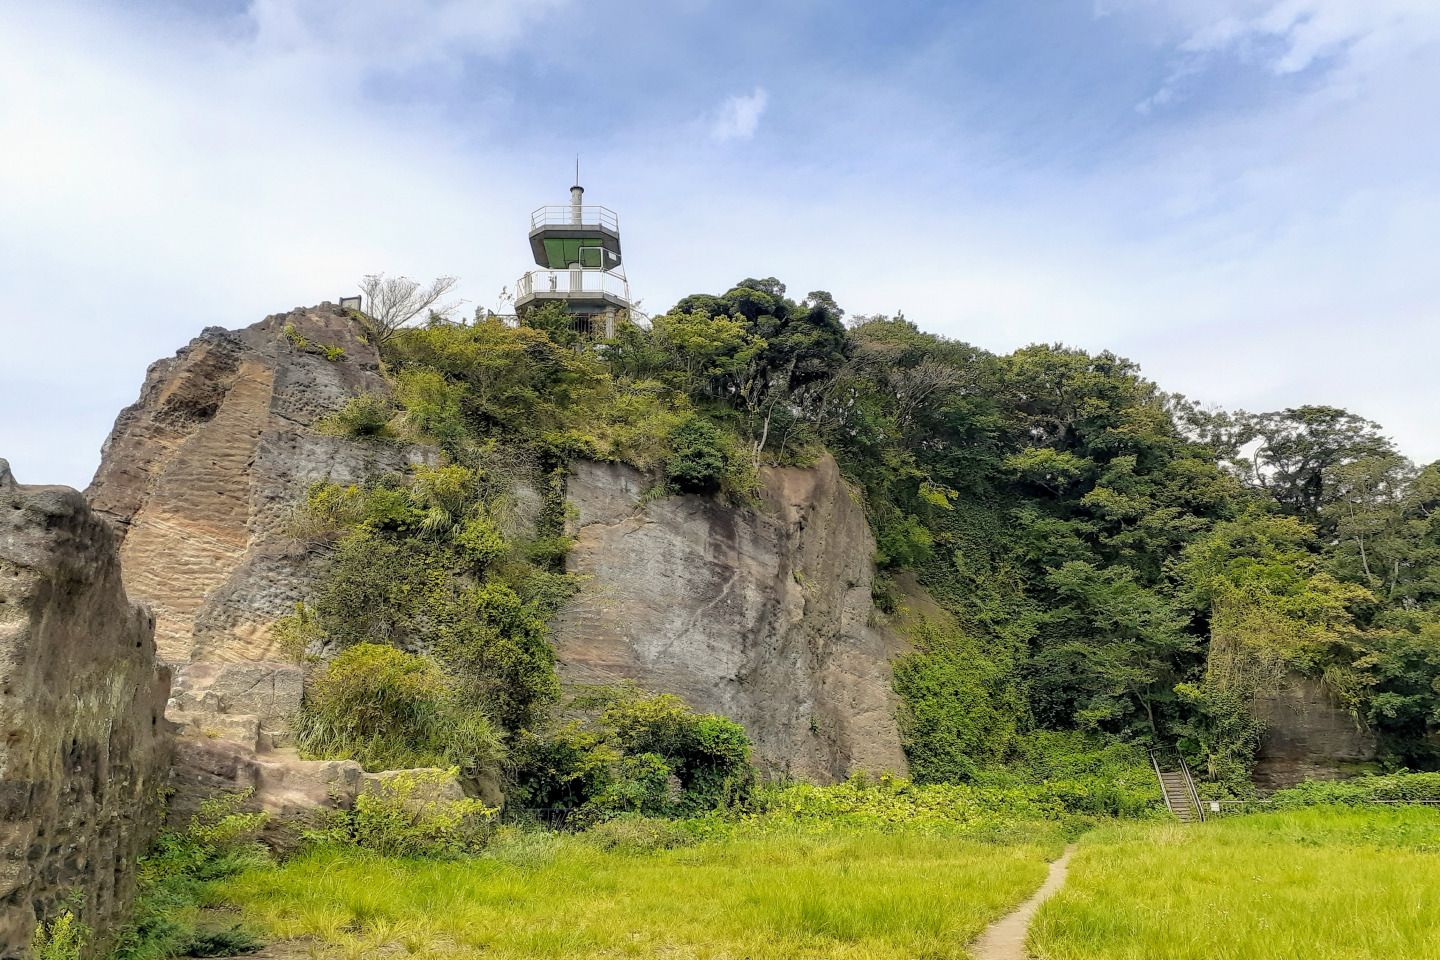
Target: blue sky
[1242, 195]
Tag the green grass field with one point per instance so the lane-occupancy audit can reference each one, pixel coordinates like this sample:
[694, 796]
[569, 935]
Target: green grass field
[848, 894]
[1319, 883]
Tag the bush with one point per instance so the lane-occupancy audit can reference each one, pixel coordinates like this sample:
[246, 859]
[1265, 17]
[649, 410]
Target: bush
[697, 462]
[61, 938]
[221, 841]
[408, 815]
[959, 706]
[1364, 789]
[366, 416]
[389, 709]
[639, 835]
[636, 754]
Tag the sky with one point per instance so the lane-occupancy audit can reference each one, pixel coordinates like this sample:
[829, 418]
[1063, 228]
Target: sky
[1243, 196]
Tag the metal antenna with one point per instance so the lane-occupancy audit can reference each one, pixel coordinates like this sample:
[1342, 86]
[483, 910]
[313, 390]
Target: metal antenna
[577, 169]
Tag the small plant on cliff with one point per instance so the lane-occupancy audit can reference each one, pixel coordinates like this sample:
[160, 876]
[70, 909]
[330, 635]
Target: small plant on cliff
[365, 417]
[392, 302]
[698, 462]
[63, 937]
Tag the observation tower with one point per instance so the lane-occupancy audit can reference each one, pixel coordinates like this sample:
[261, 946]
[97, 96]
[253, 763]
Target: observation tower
[577, 248]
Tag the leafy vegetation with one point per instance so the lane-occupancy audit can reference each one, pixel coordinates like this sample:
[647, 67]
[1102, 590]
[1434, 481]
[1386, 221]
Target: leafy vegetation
[627, 753]
[177, 880]
[392, 710]
[409, 814]
[1110, 560]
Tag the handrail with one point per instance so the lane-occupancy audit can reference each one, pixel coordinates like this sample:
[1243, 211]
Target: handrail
[576, 282]
[563, 215]
[1190, 785]
[1155, 762]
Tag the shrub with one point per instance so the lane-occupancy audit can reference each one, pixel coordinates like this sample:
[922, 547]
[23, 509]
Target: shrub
[635, 754]
[959, 707]
[221, 841]
[389, 709]
[366, 416]
[61, 938]
[1364, 789]
[639, 835]
[697, 462]
[407, 815]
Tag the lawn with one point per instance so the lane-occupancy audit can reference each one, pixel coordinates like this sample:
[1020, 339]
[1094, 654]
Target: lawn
[843, 894]
[1319, 883]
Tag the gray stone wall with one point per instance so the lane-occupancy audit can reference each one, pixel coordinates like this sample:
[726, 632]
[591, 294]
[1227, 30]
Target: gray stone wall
[760, 614]
[1308, 736]
[85, 747]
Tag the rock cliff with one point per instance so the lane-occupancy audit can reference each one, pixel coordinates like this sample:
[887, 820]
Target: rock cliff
[81, 696]
[763, 615]
[1308, 736]
[200, 474]
[760, 614]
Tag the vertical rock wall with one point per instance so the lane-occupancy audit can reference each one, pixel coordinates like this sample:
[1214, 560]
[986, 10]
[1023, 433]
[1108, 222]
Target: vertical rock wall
[1308, 737]
[81, 697]
[763, 615]
[199, 475]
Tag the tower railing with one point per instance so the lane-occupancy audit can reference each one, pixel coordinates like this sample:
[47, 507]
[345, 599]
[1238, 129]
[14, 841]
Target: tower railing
[563, 215]
[572, 283]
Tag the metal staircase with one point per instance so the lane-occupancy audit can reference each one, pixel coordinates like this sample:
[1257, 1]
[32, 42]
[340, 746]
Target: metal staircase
[1177, 785]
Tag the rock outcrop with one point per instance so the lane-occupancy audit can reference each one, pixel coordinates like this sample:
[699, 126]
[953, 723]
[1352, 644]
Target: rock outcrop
[1308, 737]
[81, 695]
[201, 474]
[763, 615]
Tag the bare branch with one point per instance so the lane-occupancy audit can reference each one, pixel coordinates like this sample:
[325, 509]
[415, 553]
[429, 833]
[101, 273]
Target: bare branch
[392, 302]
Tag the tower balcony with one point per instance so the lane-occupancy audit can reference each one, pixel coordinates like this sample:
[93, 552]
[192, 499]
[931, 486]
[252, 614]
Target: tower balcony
[582, 291]
[572, 215]
[562, 234]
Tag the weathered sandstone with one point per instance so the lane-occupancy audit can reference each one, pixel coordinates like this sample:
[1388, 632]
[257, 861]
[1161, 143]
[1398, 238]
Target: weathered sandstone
[763, 615]
[85, 749]
[200, 476]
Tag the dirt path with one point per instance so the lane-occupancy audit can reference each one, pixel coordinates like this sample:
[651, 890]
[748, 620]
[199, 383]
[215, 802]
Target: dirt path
[1005, 938]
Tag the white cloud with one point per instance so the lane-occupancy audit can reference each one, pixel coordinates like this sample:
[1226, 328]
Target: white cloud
[739, 116]
[1359, 37]
[157, 181]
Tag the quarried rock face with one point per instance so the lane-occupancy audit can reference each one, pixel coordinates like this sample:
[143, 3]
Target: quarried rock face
[201, 474]
[1308, 737]
[762, 615]
[85, 747]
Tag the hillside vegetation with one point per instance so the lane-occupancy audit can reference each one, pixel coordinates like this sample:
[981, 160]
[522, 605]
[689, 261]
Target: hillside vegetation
[1116, 564]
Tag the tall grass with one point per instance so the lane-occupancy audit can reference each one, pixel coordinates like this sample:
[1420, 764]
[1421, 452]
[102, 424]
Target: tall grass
[851, 895]
[1320, 883]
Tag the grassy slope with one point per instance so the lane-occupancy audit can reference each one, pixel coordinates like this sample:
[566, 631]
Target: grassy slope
[849, 894]
[1318, 884]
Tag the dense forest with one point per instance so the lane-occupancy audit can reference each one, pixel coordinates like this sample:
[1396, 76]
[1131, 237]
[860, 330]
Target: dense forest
[1119, 564]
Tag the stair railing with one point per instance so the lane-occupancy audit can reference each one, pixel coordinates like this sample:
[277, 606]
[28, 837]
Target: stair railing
[1190, 785]
[1160, 777]
[1191, 792]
